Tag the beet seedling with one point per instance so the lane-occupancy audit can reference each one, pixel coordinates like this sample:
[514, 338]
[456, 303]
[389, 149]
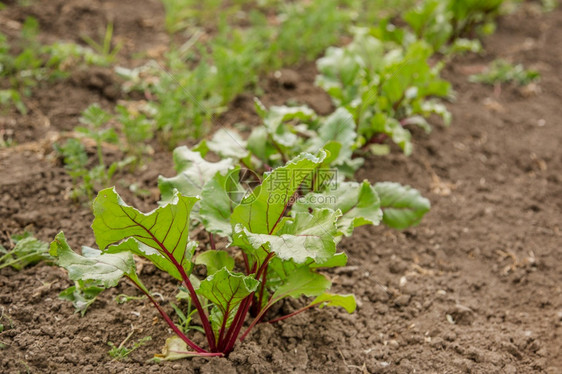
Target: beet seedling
[445, 24]
[501, 71]
[384, 89]
[281, 236]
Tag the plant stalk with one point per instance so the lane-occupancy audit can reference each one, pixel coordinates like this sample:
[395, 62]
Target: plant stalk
[212, 241]
[168, 320]
[204, 319]
[291, 314]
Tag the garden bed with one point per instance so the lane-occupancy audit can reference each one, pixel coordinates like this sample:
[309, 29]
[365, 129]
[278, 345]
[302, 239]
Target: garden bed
[476, 287]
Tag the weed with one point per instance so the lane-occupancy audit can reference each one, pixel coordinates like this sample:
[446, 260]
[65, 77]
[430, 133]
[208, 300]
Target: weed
[501, 71]
[120, 352]
[26, 251]
[105, 48]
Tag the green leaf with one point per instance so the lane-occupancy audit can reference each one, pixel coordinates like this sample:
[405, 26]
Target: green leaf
[339, 127]
[279, 270]
[228, 144]
[281, 114]
[393, 128]
[501, 71]
[218, 199]
[95, 116]
[27, 251]
[262, 211]
[164, 231]
[305, 236]
[327, 299]
[259, 145]
[226, 290]
[418, 121]
[339, 259]
[341, 74]
[104, 268]
[193, 173]
[82, 295]
[402, 206]
[282, 123]
[433, 107]
[215, 260]
[159, 259]
[302, 281]
[358, 202]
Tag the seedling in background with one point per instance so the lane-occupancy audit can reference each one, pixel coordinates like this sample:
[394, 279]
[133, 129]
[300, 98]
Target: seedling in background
[549, 5]
[82, 294]
[36, 63]
[442, 23]
[138, 130]
[23, 70]
[85, 178]
[75, 160]
[27, 251]
[384, 89]
[283, 230]
[122, 298]
[105, 47]
[6, 323]
[120, 352]
[198, 83]
[501, 71]
[186, 318]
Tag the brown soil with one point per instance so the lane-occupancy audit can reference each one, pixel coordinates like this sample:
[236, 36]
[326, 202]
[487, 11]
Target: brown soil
[476, 288]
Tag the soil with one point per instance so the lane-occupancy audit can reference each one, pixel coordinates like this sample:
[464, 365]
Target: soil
[475, 288]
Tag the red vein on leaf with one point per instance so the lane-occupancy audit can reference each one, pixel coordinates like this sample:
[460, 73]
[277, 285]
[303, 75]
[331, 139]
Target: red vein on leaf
[167, 318]
[186, 281]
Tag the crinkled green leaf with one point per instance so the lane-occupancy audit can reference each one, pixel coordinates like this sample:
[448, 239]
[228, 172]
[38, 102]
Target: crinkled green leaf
[156, 257]
[227, 143]
[215, 260]
[358, 202]
[305, 236]
[164, 231]
[282, 124]
[402, 206]
[193, 173]
[380, 87]
[263, 210]
[341, 73]
[105, 268]
[328, 299]
[431, 20]
[280, 114]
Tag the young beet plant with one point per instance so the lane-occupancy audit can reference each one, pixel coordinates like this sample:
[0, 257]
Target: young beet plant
[283, 233]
